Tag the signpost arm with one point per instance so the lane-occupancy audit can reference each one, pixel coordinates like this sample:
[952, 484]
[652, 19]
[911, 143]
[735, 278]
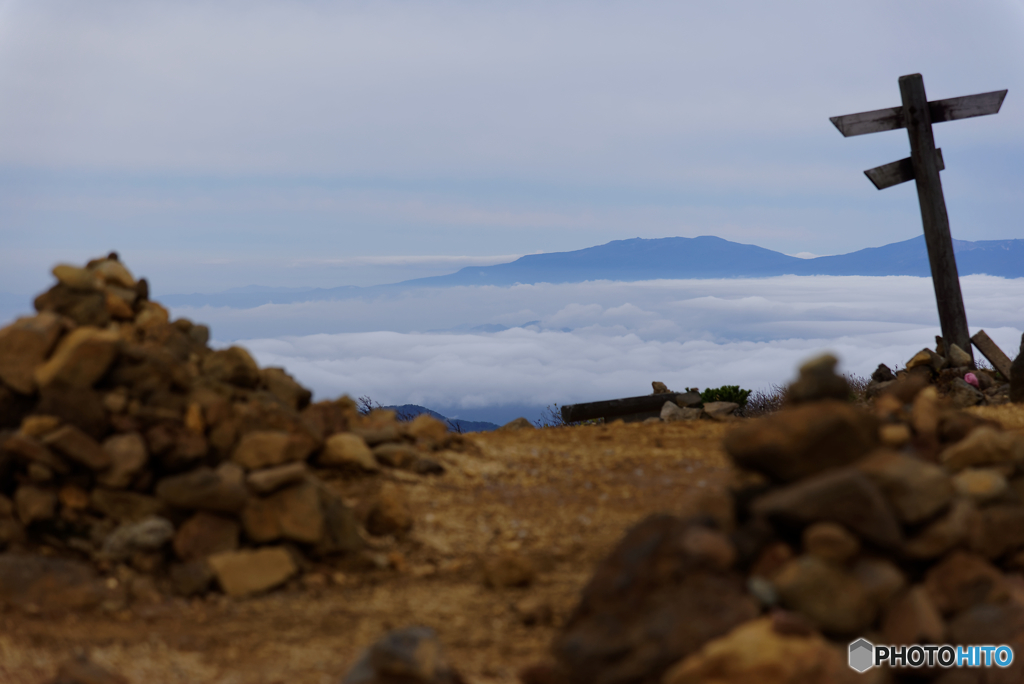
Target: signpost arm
[917, 118]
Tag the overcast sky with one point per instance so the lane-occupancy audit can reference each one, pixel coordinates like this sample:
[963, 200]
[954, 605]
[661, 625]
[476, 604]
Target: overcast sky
[329, 143]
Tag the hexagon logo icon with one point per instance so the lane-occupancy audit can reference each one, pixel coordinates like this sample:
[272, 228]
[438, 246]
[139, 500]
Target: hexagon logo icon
[862, 655]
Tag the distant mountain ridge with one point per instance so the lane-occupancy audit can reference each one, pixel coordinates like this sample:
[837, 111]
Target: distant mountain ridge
[654, 259]
[410, 411]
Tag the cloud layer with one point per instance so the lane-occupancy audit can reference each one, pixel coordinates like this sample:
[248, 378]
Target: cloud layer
[603, 340]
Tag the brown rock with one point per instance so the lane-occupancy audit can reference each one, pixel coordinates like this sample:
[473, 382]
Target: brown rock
[832, 598]
[396, 455]
[916, 489]
[82, 671]
[963, 395]
[293, 513]
[34, 503]
[818, 380]
[508, 569]
[284, 387]
[894, 435]
[128, 457]
[77, 278]
[24, 345]
[711, 547]
[913, 619]
[945, 533]
[37, 427]
[271, 479]
[221, 490]
[234, 366]
[997, 530]
[426, 427]
[191, 578]
[242, 573]
[125, 506]
[648, 606]
[38, 583]
[928, 358]
[266, 448]
[981, 484]
[412, 655]
[204, 534]
[985, 446]
[987, 623]
[347, 451]
[801, 441]
[845, 496]
[30, 450]
[79, 406]
[389, 513]
[518, 424]
[830, 542]
[341, 529]
[81, 358]
[78, 446]
[962, 580]
[880, 578]
[73, 497]
[84, 308]
[754, 652]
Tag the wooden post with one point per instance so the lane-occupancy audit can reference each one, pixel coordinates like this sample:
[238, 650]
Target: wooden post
[917, 115]
[925, 160]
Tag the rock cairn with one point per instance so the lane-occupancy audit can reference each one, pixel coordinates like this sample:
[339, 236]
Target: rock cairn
[126, 441]
[901, 522]
[954, 375]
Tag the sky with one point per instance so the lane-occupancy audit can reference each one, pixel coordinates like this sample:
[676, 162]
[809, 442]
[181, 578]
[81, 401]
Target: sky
[219, 145]
[320, 144]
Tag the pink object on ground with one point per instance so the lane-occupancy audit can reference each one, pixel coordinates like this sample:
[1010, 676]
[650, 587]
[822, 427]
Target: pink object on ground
[972, 379]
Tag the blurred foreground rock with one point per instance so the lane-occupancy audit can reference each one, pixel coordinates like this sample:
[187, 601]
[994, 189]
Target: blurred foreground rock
[126, 441]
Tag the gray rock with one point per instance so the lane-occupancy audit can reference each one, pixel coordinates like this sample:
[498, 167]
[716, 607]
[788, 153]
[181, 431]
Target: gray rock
[412, 655]
[962, 394]
[149, 534]
[671, 412]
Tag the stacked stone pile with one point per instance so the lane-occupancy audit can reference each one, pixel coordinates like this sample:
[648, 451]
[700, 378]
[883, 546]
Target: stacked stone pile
[125, 440]
[901, 523]
[954, 375]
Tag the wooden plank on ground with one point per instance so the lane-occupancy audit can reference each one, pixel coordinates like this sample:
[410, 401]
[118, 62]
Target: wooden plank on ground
[1000, 361]
[616, 408]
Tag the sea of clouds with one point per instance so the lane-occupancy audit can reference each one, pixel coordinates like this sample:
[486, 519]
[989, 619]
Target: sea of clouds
[599, 340]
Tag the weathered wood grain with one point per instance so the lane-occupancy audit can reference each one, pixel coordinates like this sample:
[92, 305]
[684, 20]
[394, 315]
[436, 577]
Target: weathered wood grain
[618, 408]
[966, 107]
[1000, 361]
[891, 118]
[945, 280]
[894, 173]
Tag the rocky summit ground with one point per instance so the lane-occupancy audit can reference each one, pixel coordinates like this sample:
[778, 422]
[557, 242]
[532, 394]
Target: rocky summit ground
[171, 512]
[558, 499]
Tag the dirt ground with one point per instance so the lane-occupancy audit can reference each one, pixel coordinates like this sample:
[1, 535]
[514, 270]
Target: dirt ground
[559, 497]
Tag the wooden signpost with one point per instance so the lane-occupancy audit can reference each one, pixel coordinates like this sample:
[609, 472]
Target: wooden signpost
[917, 115]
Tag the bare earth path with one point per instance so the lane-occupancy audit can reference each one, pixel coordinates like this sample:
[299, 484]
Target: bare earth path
[560, 498]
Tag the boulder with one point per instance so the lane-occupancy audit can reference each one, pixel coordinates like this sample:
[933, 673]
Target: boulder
[24, 345]
[671, 412]
[347, 451]
[204, 534]
[648, 606]
[78, 446]
[756, 652]
[801, 441]
[243, 573]
[81, 358]
[221, 490]
[916, 489]
[845, 496]
[265, 448]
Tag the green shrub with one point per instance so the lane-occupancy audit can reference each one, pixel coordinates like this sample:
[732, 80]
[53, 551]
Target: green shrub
[731, 393]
